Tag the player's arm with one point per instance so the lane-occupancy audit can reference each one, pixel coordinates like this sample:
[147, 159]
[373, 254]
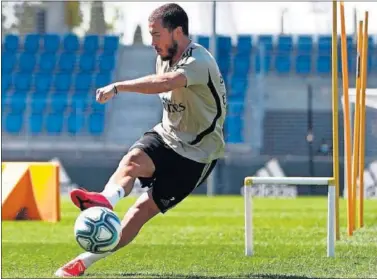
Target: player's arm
[153, 84]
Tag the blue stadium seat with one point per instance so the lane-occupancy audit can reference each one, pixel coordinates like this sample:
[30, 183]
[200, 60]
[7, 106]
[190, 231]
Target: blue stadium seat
[305, 44]
[54, 123]
[102, 79]
[71, 43]
[110, 44]
[67, 62]
[36, 123]
[87, 62]
[38, 103]
[59, 102]
[371, 53]
[238, 88]
[22, 82]
[224, 62]
[79, 101]
[6, 82]
[83, 82]
[51, 43]
[303, 64]
[27, 62]
[241, 65]
[204, 41]
[8, 62]
[18, 103]
[224, 44]
[244, 44]
[324, 64]
[11, 43]
[236, 108]
[91, 43]
[13, 124]
[324, 44]
[62, 82]
[233, 129]
[284, 44]
[106, 63]
[42, 82]
[75, 122]
[96, 123]
[267, 42]
[283, 63]
[31, 43]
[262, 63]
[47, 62]
[97, 107]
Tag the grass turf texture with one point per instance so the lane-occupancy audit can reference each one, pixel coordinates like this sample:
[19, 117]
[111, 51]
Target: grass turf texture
[203, 238]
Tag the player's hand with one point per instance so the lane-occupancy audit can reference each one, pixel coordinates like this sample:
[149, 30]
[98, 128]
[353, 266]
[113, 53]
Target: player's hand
[104, 94]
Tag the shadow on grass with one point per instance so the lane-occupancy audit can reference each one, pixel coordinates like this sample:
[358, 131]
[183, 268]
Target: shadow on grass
[181, 276]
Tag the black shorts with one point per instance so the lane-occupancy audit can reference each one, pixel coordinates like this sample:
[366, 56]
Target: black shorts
[175, 176]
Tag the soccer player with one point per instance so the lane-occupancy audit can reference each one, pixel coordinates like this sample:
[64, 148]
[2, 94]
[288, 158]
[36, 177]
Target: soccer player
[179, 153]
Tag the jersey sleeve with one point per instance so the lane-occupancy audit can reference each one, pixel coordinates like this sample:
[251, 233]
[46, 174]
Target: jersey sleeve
[195, 70]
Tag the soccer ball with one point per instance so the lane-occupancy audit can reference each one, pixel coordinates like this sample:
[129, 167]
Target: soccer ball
[97, 230]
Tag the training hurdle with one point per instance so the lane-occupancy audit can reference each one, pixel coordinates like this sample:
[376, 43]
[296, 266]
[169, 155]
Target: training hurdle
[320, 181]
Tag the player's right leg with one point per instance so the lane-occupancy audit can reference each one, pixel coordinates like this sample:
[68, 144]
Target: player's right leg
[133, 165]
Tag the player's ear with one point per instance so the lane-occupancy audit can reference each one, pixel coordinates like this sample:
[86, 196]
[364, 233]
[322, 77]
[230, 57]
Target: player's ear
[178, 31]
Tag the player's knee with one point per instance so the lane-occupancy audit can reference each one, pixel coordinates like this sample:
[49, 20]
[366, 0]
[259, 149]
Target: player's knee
[136, 164]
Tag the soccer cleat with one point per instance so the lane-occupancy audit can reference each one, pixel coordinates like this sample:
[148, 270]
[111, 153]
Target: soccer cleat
[74, 268]
[84, 199]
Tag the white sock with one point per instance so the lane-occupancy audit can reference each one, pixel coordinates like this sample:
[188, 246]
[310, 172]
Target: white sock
[113, 193]
[90, 258]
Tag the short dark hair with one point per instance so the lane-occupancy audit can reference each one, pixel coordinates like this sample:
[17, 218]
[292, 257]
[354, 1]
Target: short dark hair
[172, 16]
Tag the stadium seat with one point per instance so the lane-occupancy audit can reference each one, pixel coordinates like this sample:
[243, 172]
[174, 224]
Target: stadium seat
[106, 63]
[323, 64]
[241, 65]
[58, 103]
[224, 62]
[265, 63]
[233, 129]
[96, 123]
[283, 63]
[303, 64]
[79, 101]
[47, 62]
[110, 44]
[13, 124]
[91, 43]
[62, 82]
[244, 44]
[75, 122]
[267, 42]
[54, 123]
[18, 103]
[51, 43]
[87, 62]
[71, 43]
[324, 45]
[11, 43]
[224, 44]
[305, 44]
[83, 82]
[204, 41]
[31, 43]
[6, 82]
[8, 62]
[35, 123]
[102, 79]
[22, 82]
[38, 103]
[238, 88]
[42, 82]
[284, 44]
[67, 62]
[97, 107]
[27, 62]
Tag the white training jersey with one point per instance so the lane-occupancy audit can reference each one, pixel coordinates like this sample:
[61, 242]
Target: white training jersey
[193, 116]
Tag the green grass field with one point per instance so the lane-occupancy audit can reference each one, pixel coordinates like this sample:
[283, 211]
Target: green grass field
[203, 238]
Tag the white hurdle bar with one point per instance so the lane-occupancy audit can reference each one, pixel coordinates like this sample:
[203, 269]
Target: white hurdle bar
[323, 181]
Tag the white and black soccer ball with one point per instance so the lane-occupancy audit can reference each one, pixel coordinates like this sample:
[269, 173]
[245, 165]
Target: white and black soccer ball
[98, 230]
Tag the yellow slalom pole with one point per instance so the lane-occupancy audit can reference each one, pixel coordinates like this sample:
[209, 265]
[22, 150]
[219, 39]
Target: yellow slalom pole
[356, 130]
[335, 112]
[346, 118]
[364, 71]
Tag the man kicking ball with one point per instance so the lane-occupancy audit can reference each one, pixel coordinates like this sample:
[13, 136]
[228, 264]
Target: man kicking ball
[177, 155]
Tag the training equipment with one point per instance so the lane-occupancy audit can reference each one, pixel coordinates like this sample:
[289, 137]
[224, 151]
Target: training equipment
[320, 181]
[30, 191]
[97, 230]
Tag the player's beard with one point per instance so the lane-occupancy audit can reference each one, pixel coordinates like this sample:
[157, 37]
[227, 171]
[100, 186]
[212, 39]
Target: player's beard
[172, 51]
